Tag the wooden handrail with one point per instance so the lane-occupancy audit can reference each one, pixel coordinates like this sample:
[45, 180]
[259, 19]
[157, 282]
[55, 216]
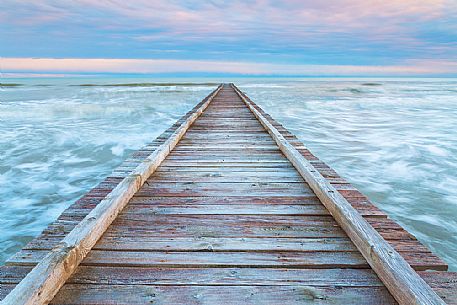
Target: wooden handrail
[405, 285]
[48, 276]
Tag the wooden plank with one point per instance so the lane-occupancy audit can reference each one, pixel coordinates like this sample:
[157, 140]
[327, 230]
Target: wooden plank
[220, 209]
[444, 283]
[256, 165]
[192, 244]
[227, 137]
[232, 209]
[180, 189]
[225, 145]
[398, 276]
[145, 294]
[220, 168]
[233, 225]
[209, 276]
[188, 189]
[232, 231]
[240, 154]
[234, 158]
[210, 259]
[229, 219]
[278, 200]
[197, 209]
[226, 177]
[186, 151]
[45, 280]
[131, 243]
[314, 258]
[226, 276]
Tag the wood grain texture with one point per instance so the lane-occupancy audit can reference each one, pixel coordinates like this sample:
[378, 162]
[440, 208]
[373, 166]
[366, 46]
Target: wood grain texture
[145, 294]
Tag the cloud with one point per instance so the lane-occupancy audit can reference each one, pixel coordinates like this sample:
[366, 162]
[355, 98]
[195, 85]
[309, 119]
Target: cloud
[331, 32]
[74, 65]
[203, 18]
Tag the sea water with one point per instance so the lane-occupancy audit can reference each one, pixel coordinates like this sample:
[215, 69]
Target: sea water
[394, 139]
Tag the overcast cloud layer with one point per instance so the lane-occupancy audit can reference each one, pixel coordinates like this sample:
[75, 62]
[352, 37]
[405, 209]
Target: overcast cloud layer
[344, 37]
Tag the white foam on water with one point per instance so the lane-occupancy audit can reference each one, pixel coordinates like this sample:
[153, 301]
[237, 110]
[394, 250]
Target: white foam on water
[59, 141]
[396, 142]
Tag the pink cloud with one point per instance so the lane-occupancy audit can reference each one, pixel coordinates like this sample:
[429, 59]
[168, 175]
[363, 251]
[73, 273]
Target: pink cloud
[245, 17]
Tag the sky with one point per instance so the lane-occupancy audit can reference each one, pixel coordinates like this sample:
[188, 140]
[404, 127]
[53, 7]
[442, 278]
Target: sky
[270, 38]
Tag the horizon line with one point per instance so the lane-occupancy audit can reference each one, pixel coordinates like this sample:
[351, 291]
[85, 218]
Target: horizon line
[8, 75]
[174, 67]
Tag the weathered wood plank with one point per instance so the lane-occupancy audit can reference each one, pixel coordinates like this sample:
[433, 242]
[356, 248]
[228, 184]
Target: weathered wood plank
[194, 157]
[278, 200]
[226, 276]
[235, 225]
[444, 283]
[255, 165]
[274, 209]
[213, 258]
[226, 177]
[192, 244]
[221, 168]
[232, 209]
[144, 294]
[223, 189]
[250, 220]
[209, 276]
[132, 243]
[207, 259]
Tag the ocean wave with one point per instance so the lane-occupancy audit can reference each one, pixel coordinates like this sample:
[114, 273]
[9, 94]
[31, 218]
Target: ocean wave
[263, 86]
[148, 85]
[344, 90]
[396, 143]
[355, 90]
[57, 142]
[10, 85]
[371, 84]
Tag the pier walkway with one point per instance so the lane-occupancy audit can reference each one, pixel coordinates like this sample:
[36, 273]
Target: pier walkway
[225, 207]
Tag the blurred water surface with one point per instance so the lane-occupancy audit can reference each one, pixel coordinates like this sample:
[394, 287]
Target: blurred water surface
[59, 139]
[393, 139]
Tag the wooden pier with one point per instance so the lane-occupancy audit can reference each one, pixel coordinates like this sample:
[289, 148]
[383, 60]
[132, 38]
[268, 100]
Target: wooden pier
[225, 207]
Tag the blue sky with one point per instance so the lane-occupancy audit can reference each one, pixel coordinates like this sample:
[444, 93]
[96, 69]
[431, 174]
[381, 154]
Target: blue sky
[306, 38]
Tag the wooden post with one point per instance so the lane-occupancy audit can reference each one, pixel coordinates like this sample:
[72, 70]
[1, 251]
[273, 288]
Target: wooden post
[405, 285]
[44, 281]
